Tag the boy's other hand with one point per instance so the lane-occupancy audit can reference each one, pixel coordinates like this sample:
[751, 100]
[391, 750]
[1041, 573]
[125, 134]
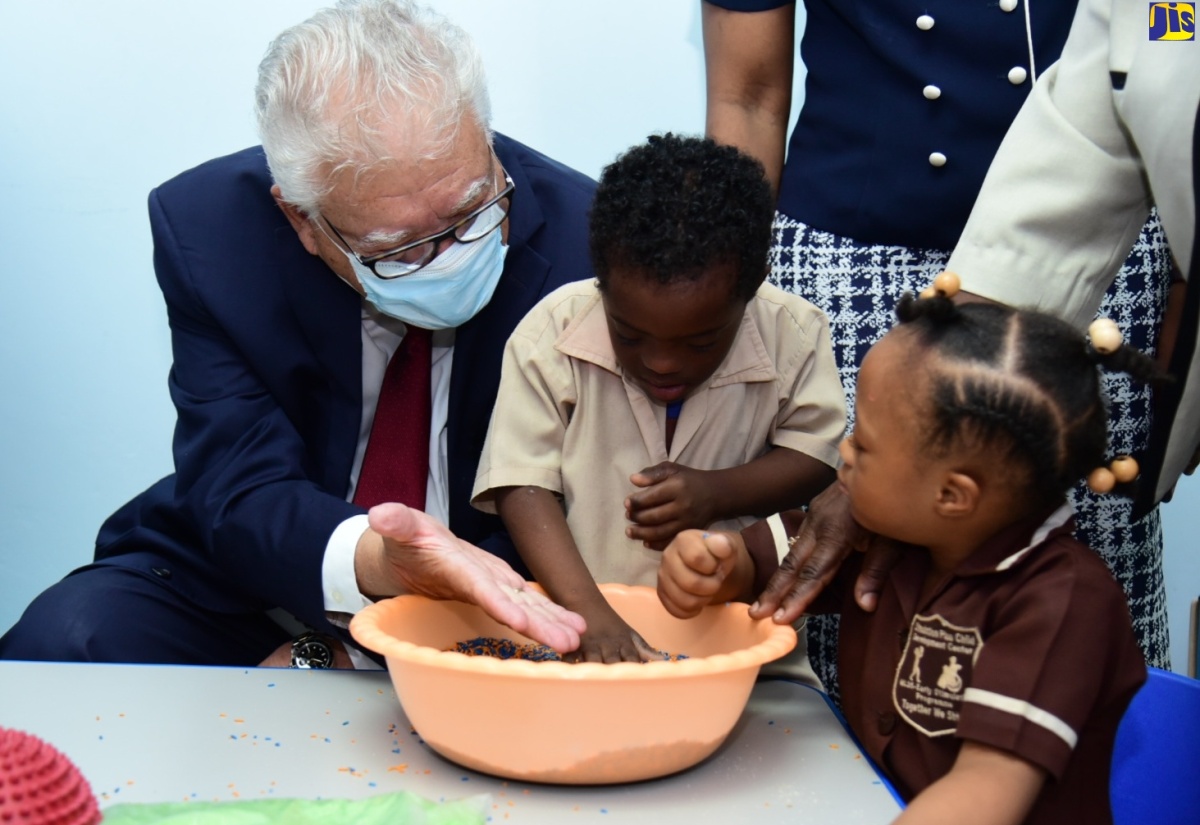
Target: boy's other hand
[699, 568]
[673, 498]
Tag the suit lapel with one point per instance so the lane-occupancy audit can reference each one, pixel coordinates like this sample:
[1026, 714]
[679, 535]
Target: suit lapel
[329, 314]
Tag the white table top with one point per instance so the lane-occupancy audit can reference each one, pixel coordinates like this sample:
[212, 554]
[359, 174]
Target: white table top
[162, 734]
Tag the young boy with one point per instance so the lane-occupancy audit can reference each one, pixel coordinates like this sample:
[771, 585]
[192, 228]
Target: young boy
[676, 391]
[991, 677]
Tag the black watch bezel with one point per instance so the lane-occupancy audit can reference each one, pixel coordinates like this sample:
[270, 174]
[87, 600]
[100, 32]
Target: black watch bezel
[312, 651]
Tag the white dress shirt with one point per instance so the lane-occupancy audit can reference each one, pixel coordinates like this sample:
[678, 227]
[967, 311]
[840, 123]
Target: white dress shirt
[381, 335]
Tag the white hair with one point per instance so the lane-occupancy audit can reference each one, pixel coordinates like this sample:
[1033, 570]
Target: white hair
[357, 82]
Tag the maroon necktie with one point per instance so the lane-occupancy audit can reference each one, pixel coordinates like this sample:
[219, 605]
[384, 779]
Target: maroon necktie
[395, 466]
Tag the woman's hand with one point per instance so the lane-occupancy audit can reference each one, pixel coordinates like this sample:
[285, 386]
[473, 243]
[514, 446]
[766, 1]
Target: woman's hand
[826, 538]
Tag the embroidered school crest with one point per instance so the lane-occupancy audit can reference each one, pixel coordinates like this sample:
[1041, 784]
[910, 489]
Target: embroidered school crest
[935, 667]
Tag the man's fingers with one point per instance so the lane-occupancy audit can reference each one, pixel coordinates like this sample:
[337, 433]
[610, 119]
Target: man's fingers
[442, 566]
[533, 614]
[405, 525]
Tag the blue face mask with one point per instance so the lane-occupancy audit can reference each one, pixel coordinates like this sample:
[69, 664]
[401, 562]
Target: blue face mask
[449, 291]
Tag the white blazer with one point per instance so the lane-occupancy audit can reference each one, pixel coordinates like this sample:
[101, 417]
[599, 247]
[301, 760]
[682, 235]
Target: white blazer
[1107, 132]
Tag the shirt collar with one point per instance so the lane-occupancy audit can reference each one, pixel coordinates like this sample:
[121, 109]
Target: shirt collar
[587, 339]
[996, 554]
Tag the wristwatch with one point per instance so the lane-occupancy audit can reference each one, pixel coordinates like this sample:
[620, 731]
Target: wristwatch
[312, 651]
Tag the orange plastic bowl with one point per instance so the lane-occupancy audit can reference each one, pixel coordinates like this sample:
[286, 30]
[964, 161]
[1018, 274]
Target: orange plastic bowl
[581, 723]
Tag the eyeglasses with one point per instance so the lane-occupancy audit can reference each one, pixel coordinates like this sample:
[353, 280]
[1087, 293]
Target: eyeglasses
[412, 256]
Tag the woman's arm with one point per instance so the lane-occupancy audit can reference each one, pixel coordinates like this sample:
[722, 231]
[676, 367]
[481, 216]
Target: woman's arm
[748, 59]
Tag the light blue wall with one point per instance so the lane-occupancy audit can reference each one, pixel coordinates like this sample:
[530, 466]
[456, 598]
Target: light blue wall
[102, 101]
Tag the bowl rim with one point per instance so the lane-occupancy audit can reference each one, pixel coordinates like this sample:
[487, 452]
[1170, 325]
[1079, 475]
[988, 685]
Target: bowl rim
[364, 627]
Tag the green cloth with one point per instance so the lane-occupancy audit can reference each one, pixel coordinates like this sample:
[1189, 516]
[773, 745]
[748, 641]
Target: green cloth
[386, 809]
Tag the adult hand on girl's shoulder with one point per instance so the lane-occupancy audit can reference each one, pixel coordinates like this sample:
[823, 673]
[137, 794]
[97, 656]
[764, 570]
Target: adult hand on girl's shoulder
[827, 536]
[673, 498]
[700, 568]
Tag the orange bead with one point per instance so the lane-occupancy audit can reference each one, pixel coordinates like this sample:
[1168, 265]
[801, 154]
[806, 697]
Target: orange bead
[1105, 335]
[1101, 480]
[1124, 468]
[947, 284]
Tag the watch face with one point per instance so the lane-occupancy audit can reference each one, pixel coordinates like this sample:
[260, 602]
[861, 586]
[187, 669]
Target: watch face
[310, 651]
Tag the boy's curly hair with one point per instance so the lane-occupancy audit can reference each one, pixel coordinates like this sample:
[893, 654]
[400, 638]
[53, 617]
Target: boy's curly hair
[674, 207]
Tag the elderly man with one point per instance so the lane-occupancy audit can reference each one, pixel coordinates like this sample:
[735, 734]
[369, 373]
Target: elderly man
[339, 299]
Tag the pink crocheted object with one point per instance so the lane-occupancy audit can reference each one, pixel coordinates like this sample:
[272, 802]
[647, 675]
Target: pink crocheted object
[40, 786]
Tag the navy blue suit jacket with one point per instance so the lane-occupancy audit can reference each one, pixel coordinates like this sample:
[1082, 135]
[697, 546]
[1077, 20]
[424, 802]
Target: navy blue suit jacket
[267, 379]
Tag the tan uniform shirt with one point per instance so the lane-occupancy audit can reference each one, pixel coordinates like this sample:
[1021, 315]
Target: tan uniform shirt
[566, 420]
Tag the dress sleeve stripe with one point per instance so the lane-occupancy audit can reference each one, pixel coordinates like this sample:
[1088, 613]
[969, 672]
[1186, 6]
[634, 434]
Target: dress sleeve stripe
[1021, 708]
[779, 534]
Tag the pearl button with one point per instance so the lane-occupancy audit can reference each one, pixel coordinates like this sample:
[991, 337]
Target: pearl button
[1017, 75]
[937, 159]
[1008, 5]
[931, 92]
[924, 22]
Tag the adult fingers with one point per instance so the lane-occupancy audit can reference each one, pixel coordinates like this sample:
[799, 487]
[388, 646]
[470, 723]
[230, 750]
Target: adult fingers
[825, 539]
[880, 557]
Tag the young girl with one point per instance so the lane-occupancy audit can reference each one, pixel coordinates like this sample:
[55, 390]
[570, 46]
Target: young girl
[676, 391]
[989, 682]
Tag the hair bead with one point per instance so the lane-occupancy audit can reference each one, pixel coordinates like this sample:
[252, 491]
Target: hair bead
[1105, 336]
[946, 285]
[1123, 469]
[1101, 480]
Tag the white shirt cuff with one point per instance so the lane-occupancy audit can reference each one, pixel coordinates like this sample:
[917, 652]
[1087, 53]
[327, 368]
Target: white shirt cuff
[337, 570]
[340, 585]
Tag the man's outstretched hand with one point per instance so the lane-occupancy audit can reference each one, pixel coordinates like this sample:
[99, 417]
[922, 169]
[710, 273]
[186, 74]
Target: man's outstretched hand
[421, 555]
[827, 536]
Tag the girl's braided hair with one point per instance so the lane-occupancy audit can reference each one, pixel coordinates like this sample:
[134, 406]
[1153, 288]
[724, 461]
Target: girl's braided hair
[1019, 381]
